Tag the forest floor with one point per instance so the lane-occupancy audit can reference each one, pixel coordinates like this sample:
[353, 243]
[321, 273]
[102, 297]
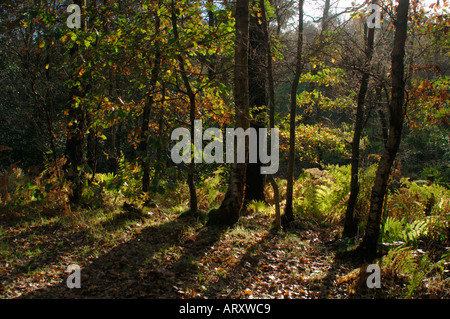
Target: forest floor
[156, 254]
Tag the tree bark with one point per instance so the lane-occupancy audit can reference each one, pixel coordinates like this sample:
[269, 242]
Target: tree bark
[75, 136]
[192, 111]
[112, 140]
[229, 211]
[288, 211]
[74, 149]
[326, 16]
[271, 105]
[369, 244]
[255, 181]
[382, 114]
[212, 22]
[143, 141]
[92, 147]
[351, 224]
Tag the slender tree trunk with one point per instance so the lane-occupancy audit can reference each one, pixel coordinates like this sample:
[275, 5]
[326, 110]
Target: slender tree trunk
[159, 166]
[51, 134]
[143, 145]
[255, 181]
[74, 150]
[369, 245]
[92, 145]
[326, 15]
[271, 96]
[112, 140]
[288, 211]
[143, 141]
[212, 58]
[192, 111]
[75, 135]
[112, 156]
[229, 212]
[351, 224]
[381, 115]
[382, 110]
[47, 106]
[321, 44]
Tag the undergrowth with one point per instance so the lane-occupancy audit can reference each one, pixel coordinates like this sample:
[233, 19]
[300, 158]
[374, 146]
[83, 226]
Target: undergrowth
[323, 195]
[414, 233]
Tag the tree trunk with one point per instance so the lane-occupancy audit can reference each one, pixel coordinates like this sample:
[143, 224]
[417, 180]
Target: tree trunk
[92, 147]
[212, 22]
[192, 111]
[271, 100]
[255, 181]
[369, 245]
[288, 211]
[74, 150]
[326, 16]
[112, 156]
[229, 212]
[159, 166]
[321, 44]
[47, 106]
[381, 114]
[143, 144]
[143, 141]
[351, 224]
[75, 135]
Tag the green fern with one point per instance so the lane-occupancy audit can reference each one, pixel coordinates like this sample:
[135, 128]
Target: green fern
[415, 230]
[212, 187]
[257, 206]
[392, 230]
[415, 266]
[401, 230]
[323, 198]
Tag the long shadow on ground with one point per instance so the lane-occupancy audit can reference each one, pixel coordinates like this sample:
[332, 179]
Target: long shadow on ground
[129, 270]
[49, 241]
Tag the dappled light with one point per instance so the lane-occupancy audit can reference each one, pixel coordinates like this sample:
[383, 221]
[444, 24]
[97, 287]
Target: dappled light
[262, 150]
